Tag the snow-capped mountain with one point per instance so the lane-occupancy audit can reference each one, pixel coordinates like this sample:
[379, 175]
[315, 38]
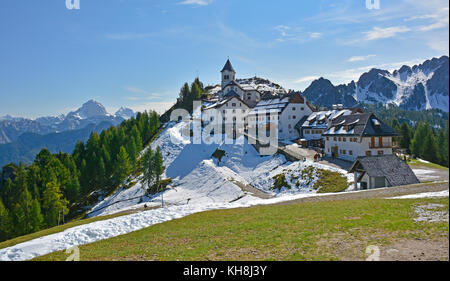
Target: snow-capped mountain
[423, 86]
[125, 113]
[91, 112]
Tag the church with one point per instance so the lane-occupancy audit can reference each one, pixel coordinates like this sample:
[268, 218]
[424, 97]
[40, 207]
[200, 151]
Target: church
[230, 87]
[249, 102]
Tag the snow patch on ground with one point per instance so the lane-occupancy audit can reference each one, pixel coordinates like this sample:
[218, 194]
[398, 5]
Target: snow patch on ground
[443, 193]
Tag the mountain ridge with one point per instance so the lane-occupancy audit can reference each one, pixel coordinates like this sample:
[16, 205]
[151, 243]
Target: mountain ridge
[420, 87]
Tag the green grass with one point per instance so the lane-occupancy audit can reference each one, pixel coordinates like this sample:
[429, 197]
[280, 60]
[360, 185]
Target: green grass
[330, 182]
[415, 162]
[56, 229]
[331, 230]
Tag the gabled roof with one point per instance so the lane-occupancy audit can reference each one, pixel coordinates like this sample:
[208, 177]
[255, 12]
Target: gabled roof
[224, 101]
[363, 125]
[230, 93]
[395, 170]
[228, 66]
[233, 83]
[320, 119]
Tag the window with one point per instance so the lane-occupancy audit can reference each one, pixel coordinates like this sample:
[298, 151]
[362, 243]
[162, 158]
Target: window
[293, 108]
[368, 153]
[339, 139]
[233, 104]
[306, 131]
[380, 152]
[328, 139]
[344, 151]
[289, 126]
[293, 117]
[334, 138]
[302, 108]
[234, 110]
[350, 152]
[243, 110]
[344, 139]
[328, 150]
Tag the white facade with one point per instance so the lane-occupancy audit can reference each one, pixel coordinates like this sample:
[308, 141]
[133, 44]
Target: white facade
[351, 147]
[284, 113]
[289, 117]
[232, 110]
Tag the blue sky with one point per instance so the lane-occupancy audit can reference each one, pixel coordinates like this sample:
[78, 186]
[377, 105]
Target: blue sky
[138, 53]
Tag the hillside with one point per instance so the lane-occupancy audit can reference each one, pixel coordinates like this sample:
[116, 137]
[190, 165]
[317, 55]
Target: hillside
[198, 179]
[329, 230]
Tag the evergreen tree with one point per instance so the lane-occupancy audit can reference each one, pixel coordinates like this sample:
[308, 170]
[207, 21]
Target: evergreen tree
[53, 203]
[36, 218]
[5, 222]
[405, 133]
[429, 152]
[417, 143]
[123, 166]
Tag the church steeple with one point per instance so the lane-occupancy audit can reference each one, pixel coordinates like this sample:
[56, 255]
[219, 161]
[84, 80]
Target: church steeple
[228, 73]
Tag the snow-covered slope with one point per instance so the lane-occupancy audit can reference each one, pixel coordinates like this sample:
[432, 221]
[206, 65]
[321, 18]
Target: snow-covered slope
[199, 179]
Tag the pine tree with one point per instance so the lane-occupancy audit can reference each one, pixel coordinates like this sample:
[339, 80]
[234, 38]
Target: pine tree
[5, 222]
[430, 150]
[417, 143]
[123, 166]
[36, 218]
[405, 133]
[53, 204]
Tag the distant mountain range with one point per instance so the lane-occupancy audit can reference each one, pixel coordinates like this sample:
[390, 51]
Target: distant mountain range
[423, 86]
[91, 112]
[21, 139]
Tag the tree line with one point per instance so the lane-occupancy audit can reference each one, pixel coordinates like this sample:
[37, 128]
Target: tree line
[424, 141]
[61, 185]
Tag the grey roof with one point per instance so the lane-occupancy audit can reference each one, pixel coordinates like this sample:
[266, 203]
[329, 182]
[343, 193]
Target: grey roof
[363, 125]
[231, 93]
[395, 170]
[228, 66]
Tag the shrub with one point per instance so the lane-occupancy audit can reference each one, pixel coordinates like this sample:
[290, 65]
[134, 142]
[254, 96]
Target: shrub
[279, 182]
[329, 181]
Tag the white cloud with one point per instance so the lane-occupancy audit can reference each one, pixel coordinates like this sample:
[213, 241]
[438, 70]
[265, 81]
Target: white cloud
[315, 35]
[306, 79]
[360, 58]
[380, 33]
[196, 2]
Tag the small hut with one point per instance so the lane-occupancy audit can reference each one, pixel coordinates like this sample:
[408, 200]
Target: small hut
[381, 171]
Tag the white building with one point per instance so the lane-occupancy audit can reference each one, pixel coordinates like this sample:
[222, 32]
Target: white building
[283, 112]
[313, 126]
[231, 88]
[231, 110]
[355, 135]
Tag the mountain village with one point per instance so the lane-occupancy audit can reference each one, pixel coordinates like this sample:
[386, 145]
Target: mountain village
[346, 134]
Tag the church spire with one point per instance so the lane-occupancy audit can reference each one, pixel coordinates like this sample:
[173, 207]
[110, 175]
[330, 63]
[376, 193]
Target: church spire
[228, 67]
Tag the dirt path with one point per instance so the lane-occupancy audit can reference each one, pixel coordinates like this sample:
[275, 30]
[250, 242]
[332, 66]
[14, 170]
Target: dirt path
[375, 193]
[251, 190]
[430, 174]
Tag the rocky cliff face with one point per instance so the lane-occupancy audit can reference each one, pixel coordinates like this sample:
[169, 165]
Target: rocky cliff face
[424, 86]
